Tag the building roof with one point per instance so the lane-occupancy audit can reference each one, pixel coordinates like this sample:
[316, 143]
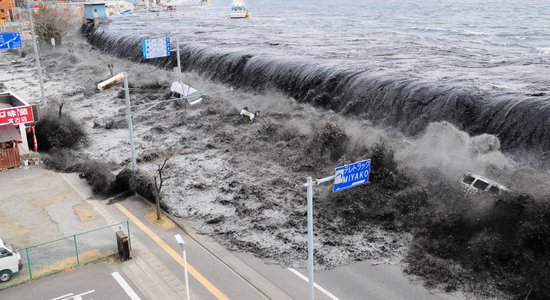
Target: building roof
[9, 99]
[8, 133]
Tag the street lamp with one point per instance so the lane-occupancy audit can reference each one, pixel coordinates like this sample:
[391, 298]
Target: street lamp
[107, 84]
[180, 241]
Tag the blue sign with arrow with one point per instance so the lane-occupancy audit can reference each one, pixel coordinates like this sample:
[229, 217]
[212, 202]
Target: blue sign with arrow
[10, 40]
[351, 175]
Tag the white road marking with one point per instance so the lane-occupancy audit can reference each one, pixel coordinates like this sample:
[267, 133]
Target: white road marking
[129, 291]
[62, 296]
[330, 295]
[72, 296]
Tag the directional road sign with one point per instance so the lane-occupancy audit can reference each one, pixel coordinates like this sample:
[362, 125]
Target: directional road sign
[351, 175]
[153, 48]
[9, 40]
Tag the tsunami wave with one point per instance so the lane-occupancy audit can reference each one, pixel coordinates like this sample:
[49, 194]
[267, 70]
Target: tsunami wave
[409, 104]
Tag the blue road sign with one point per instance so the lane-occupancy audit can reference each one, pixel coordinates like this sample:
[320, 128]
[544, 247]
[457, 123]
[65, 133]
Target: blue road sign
[351, 175]
[9, 40]
[153, 48]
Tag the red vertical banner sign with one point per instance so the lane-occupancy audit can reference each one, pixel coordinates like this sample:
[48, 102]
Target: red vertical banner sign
[34, 138]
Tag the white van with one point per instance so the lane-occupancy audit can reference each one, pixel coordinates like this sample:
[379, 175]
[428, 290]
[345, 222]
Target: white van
[10, 261]
[474, 183]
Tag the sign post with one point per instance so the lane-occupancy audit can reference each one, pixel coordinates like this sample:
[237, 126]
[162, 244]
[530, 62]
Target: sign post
[344, 177]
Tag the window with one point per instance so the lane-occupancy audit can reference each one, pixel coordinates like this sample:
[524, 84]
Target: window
[480, 185]
[493, 190]
[468, 179]
[1, 10]
[4, 253]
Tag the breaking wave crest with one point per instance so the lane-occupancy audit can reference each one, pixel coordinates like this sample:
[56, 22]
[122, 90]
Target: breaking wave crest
[409, 104]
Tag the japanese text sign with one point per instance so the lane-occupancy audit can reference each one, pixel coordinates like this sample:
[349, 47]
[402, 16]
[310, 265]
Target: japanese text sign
[16, 115]
[351, 175]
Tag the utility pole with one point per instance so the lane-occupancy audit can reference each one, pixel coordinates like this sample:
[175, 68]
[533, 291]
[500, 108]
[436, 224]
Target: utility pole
[129, 117]
[37, 58]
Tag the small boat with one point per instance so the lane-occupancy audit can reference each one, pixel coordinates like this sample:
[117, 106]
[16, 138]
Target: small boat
[238, 10]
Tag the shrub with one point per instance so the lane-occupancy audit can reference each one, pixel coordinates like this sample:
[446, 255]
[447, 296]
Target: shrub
[97, 173]
[139, 183]
[63, 132]
[328, 139]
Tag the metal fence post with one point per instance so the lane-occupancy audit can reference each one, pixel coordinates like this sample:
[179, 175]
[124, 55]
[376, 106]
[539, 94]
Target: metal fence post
[28, 262]
[76, 251]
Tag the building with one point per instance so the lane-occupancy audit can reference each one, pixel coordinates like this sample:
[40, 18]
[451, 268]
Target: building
[15, 115]
[95, 10]
[5, 9]
[9, 147]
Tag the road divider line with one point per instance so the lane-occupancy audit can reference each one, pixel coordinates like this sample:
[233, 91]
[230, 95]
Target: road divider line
[329, 294]
[207, 284]
[125, 286]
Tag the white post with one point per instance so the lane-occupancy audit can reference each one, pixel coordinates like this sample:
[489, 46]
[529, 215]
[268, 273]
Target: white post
[180, 241]
[37, 58]
[129, 117]
[310, 294]
[185, 267]
[24, 149]
[179, 63]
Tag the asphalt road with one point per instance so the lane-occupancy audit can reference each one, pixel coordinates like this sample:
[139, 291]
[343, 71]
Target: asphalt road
[89, 282]
[360, 280]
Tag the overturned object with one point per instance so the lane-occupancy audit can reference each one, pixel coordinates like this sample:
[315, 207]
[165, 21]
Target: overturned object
[193, 96]
[474, 184]
[109, 82]
[247, 114]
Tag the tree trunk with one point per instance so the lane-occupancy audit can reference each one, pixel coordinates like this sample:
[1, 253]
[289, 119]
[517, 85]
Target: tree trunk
[157, 198]
[60, 108]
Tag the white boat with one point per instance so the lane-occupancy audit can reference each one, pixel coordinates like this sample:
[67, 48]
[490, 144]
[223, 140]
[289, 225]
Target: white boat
[238, 10]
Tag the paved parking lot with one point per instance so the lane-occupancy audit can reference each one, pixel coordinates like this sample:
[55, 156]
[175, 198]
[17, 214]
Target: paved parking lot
[38, 205]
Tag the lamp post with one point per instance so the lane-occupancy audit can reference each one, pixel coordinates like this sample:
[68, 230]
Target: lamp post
[107, 84]
[180, 241]
[37, 59]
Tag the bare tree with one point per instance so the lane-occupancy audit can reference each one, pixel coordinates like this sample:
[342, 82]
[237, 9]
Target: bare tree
[54, 22]
[163, 172]
[60, 103]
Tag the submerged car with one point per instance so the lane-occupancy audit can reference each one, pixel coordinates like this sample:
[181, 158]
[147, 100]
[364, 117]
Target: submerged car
[474, 183]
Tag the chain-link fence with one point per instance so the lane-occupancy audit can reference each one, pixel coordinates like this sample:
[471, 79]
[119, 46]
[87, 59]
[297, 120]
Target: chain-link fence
[67, 253]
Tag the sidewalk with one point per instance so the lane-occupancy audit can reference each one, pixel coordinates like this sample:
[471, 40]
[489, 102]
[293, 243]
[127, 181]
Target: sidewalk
[144, 269]
[156, 268]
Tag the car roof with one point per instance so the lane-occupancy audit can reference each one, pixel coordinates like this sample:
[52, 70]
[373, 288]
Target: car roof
[489, 181]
